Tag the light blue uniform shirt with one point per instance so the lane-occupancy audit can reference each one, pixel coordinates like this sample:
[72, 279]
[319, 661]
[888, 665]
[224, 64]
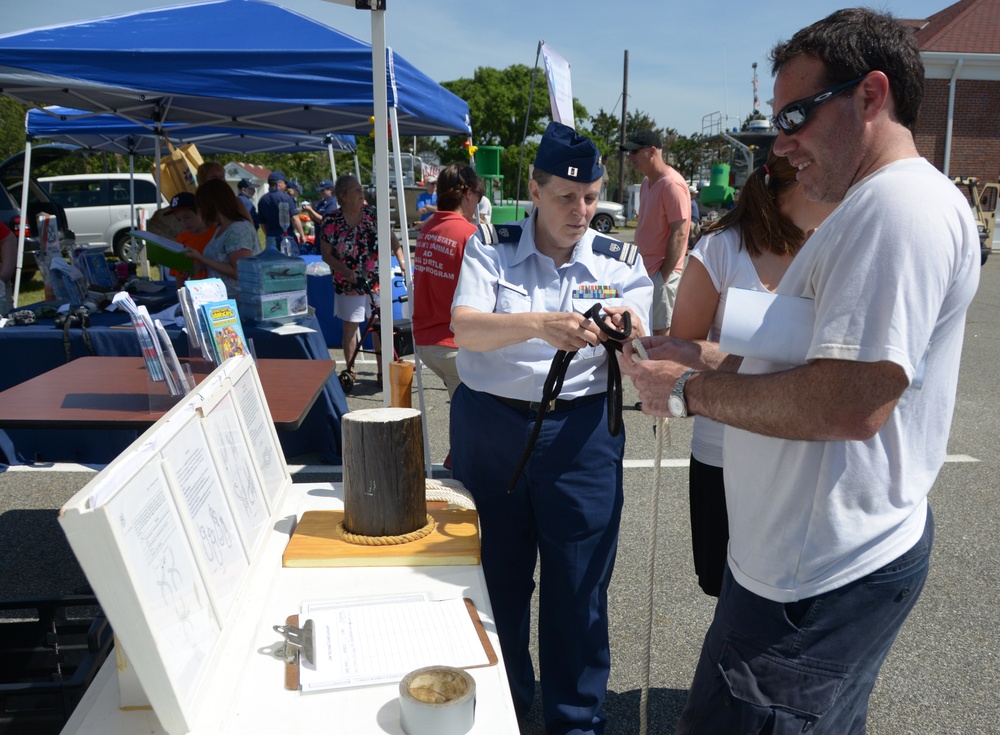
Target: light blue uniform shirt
[511, 278]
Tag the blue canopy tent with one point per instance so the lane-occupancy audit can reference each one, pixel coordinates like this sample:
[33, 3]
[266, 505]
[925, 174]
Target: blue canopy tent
[198, 65]
[114, 134]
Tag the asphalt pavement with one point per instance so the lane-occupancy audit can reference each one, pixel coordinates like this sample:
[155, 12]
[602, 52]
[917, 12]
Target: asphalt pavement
[939, 678]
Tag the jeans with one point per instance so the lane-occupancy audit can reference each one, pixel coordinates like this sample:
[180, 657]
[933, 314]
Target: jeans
[805, 666]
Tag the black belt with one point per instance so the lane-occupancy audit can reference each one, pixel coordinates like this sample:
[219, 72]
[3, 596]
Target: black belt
[559, 404]
[554, 381]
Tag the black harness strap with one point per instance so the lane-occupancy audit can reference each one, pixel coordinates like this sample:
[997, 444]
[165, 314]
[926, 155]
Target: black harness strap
[554, 381]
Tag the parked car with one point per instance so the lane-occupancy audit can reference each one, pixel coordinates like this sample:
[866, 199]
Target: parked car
[985, 200]
[98, 206]
[11, 186]
[608, 215]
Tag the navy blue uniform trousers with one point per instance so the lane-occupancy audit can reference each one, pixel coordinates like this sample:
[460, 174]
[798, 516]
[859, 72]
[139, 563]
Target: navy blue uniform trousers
[564, 512]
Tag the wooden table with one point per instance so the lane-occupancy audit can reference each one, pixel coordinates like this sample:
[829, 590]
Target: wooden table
[115, 393]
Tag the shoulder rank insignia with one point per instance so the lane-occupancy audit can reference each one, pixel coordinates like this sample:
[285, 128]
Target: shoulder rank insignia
[491, 234]
[626, 252]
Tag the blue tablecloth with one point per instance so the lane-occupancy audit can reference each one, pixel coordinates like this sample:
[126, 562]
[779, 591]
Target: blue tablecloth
[26, 352]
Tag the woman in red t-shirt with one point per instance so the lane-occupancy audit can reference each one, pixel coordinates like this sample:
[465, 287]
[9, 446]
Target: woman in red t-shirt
[436, 262]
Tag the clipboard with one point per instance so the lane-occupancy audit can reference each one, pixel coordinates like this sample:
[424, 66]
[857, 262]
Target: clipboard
[292, 664]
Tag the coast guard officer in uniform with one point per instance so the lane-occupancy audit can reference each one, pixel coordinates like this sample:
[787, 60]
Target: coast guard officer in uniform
[519, 300]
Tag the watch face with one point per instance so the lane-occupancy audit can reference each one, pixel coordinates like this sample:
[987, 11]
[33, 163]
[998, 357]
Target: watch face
[677, 406]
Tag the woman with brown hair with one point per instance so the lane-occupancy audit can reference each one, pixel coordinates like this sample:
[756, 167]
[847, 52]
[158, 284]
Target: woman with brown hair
[436, 263]
[750, 247]
[235, 236]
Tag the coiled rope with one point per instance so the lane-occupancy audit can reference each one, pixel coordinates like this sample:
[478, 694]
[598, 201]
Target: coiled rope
[450, 491]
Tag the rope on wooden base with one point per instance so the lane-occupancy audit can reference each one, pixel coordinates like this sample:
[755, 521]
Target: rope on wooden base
[451, 491]
[358, 539]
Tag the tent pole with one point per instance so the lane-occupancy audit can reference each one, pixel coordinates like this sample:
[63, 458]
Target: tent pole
[25, 221]
[333, 163]
[400, 199]
[404, 236]
[381, 162]
[131, 194]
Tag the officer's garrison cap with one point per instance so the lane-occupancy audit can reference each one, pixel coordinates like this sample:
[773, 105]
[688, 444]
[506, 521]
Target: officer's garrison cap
[565, 153]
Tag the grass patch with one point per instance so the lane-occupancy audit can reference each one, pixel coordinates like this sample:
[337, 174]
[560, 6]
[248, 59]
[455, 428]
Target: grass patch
[32, 289]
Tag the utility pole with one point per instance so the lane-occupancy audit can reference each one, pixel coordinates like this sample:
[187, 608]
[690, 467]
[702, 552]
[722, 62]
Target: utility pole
[621, 153]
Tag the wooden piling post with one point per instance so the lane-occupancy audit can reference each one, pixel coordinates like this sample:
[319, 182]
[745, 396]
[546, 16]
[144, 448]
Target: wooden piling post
[384, 485]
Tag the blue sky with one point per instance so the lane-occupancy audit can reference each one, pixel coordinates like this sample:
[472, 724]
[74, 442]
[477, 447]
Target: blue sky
[686, 60]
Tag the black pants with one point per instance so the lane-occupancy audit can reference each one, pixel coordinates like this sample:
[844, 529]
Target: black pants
[709, 525]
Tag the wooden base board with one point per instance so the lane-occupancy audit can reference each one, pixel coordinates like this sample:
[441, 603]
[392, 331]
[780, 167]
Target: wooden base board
[317, 542]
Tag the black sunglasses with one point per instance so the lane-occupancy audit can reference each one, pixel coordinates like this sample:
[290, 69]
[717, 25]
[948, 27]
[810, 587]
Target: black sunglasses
[792, 117]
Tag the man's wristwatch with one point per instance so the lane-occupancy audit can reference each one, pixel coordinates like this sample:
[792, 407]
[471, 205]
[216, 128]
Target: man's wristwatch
[676, 403]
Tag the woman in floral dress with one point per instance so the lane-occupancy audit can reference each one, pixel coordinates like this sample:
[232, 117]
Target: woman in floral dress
[348, 242]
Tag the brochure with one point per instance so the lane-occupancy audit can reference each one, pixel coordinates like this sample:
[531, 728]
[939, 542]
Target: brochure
[224, 329]
[193, 295]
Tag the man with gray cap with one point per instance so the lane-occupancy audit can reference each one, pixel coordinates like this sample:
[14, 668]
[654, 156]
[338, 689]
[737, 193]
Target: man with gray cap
[661, 233]
[269, 209]
[523, 298]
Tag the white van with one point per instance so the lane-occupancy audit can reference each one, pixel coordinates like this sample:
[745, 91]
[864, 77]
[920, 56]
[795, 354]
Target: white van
[97, 206]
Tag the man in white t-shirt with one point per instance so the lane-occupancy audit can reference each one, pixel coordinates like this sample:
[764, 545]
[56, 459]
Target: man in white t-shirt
[829, 460]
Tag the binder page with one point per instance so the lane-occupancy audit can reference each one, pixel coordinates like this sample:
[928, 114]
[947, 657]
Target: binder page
[363, 644]
[165, 574]
[239, 475]
[266, 449]
[767, 326]
[202, 496]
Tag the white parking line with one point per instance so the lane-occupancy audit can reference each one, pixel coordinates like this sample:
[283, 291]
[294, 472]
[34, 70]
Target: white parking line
[961, 458]
[645, 463]
[334, 469]
[641, 463]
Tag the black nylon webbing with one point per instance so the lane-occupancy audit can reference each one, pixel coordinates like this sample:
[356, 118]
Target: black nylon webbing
[554, 381]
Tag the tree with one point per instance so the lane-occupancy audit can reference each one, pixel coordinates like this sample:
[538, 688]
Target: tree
[691, 155]
[498, 105]
[606, 131]
[498, 102]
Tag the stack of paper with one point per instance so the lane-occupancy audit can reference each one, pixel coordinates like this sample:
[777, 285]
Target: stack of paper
[367, 641]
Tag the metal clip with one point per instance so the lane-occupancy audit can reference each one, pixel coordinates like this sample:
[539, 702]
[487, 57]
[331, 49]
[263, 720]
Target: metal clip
[296, 639]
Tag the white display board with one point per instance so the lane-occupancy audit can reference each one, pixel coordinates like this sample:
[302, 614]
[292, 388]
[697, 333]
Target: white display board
[167, 534]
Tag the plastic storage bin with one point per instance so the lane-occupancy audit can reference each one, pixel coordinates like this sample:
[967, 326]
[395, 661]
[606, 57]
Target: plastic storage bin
[271, 272]
[272, 287]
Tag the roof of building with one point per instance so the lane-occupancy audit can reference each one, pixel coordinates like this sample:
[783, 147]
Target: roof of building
[967, 27]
